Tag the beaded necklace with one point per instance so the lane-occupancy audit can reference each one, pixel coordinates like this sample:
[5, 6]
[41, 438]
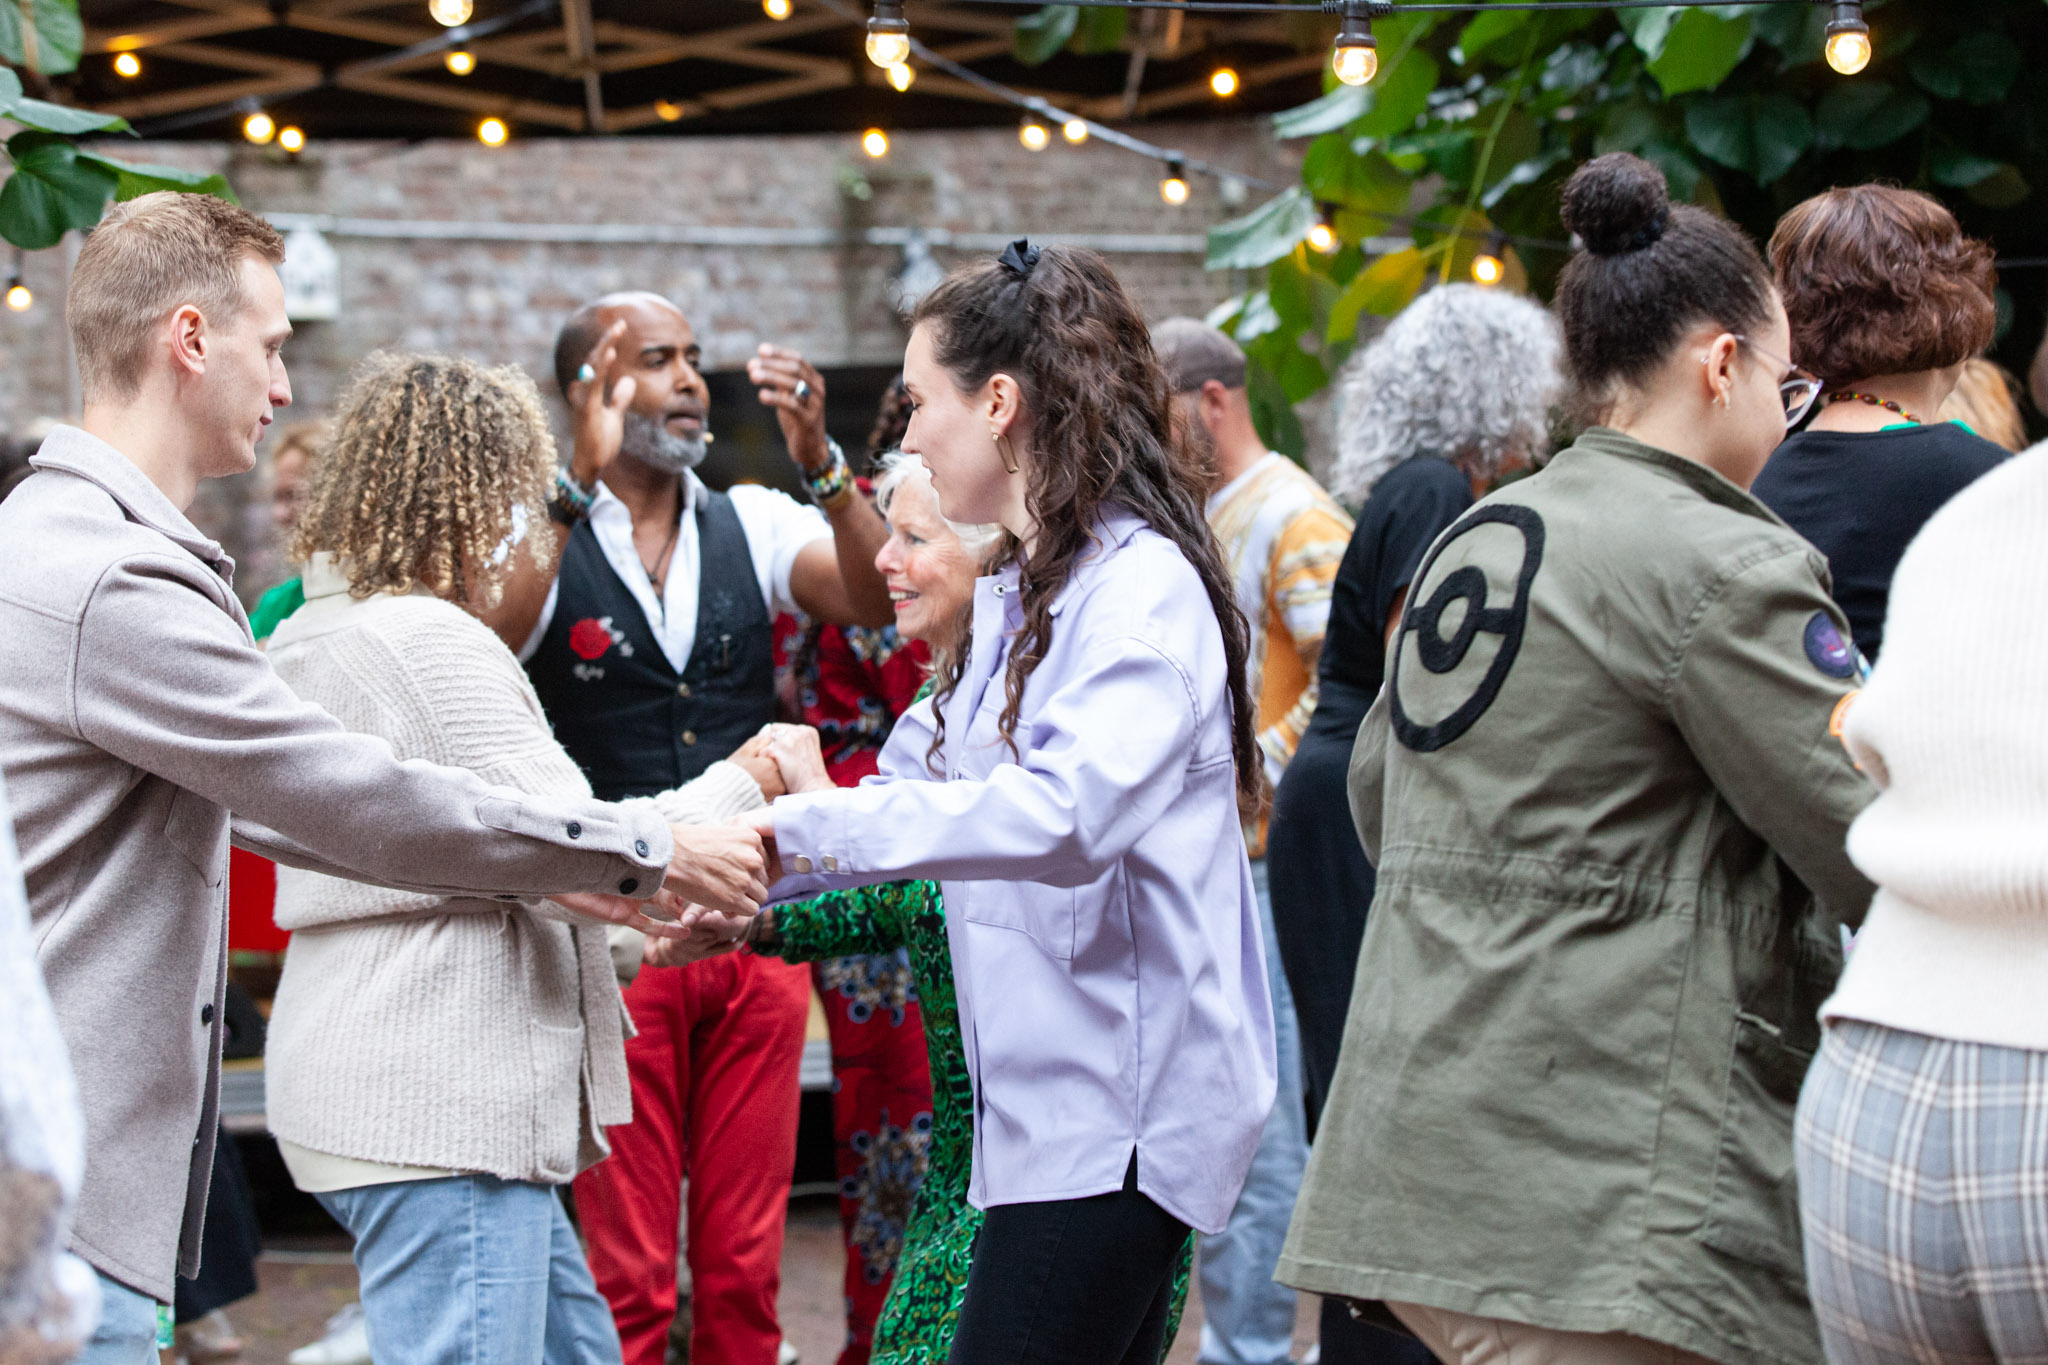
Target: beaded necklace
[1844, 395]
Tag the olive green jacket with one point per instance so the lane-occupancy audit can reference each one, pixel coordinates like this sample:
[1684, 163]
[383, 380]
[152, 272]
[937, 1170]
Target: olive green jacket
[1608, 816]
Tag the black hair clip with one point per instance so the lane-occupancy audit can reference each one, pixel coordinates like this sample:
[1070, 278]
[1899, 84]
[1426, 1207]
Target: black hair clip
[1020, 256]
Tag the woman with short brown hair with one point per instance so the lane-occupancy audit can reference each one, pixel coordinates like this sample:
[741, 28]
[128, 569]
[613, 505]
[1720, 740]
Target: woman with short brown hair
[1888, 301]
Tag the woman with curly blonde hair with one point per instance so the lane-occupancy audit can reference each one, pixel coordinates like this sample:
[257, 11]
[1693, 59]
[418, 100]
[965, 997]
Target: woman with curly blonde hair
[437, 1066]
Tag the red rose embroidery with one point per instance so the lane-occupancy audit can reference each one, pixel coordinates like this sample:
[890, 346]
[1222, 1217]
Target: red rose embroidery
[590, 638]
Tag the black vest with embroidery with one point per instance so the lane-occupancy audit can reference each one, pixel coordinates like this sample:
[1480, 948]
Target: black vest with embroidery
[615, 701]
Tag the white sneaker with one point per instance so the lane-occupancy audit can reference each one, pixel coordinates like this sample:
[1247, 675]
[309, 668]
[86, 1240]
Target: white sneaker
[786, 1354]
[347, 1341]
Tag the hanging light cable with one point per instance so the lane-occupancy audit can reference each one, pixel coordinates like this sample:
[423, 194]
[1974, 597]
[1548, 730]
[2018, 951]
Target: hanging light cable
[1848, 38]
[888, 35]
[1355, 56]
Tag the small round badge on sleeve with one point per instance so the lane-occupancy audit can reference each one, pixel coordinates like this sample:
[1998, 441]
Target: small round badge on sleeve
[1827, 649]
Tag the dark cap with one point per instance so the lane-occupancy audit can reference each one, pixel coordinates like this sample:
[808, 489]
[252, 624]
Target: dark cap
[1193, 353]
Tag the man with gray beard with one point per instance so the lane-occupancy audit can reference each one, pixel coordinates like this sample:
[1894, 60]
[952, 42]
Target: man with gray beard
[648, 642]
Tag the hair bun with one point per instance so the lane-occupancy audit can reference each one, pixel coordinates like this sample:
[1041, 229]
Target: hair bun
[1616, 203]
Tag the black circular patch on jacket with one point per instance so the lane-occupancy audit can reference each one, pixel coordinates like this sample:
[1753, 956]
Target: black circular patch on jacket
[1827, 650]
[1440, 653]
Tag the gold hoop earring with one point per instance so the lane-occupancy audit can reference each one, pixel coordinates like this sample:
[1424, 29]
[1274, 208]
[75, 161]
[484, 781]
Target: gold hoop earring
[1009, 456]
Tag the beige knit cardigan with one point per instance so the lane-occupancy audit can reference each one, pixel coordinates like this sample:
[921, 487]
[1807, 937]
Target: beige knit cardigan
[461, 1034]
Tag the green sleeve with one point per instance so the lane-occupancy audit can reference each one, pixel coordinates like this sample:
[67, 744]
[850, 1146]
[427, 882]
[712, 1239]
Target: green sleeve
[1755, 706]
[271, 608]
[865, 920]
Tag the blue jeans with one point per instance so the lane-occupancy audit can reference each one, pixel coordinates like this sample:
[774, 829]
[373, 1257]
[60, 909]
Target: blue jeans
[473, 1270]
[126, 1334]
[1247, 1319]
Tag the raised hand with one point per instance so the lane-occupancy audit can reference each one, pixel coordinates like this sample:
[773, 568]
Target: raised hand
[793, 387]
[598, 408]
[720, 867]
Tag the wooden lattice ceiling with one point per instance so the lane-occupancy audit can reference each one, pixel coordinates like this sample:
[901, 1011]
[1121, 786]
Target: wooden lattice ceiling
[342, 68]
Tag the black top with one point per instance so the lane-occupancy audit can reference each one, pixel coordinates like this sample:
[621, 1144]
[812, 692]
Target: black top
[1406, 511]
[1861, 497]
[615, 701]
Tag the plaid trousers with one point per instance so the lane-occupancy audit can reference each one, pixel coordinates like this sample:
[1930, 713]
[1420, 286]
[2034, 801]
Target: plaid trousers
[1923, 1191]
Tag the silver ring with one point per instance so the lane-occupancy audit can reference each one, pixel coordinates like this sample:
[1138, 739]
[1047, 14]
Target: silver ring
[803, 390]
[586, 374]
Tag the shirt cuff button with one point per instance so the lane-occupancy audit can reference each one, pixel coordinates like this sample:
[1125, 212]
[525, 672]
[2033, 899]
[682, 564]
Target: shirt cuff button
[640, 847]
[802, 864]
[575, 830]
[629, 886]
[831, 863]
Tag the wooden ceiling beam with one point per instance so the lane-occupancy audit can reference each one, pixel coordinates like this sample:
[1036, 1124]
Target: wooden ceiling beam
[1196, 92]
[174, 31]
[471, 101]
[200, 96]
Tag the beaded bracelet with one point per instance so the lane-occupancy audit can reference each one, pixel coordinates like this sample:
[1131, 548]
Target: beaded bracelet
[570, 502]
[832, 483]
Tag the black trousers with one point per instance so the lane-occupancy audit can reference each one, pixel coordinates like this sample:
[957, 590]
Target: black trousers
[1071, 1282]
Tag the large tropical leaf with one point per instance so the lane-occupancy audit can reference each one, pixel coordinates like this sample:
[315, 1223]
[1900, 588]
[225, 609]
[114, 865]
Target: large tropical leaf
[60, 36]
[51, 191]
[136, 178]
[1700, 49]
[45, 117]
[1760, 135]
[1265, 234]
[1040, 35]
[1383, 288]
[1867, 114]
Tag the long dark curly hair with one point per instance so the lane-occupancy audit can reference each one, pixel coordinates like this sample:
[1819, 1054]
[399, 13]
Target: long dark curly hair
[1101, 434]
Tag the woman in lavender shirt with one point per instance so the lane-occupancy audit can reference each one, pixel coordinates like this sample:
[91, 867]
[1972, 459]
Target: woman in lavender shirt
[1074, 782]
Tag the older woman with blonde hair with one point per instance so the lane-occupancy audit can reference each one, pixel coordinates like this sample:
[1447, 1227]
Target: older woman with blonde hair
[436, 1067]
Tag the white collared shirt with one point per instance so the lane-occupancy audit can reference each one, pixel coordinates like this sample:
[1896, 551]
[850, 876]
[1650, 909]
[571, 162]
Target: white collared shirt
[777, 528]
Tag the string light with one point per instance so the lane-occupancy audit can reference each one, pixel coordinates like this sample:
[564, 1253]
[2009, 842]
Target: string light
[1487, 267]
[492, 132]
[451, 13]
[19, 299]
[259, 128]
[1355, 55]
[900, 76]
[460, 62]
[128, 65]
[1034, 135]
[291, 139]
[1848, 40]
[875, 142]
[668, 111]
[1075, 130]
[1323, 236]
[1224, 82]
[1174, 188]
[778, 10]
[888, 35]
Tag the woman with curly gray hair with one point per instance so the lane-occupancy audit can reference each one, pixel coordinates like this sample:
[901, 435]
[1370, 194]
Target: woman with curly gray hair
[1454, 394]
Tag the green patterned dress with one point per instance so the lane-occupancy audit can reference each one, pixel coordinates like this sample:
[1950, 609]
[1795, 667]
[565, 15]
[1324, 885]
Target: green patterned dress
[916, 1326]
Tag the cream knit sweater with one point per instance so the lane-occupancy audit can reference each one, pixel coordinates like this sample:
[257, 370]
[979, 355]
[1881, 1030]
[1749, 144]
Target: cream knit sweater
[471, 1035]
[1953, 726]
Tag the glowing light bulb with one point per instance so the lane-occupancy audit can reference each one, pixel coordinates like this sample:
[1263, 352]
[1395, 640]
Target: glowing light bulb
[492, 132]
[668, 111]
[1075, 130]
[1357, 64]
[888, 35]
[900, 75]
[1034, 135]
[128, 65]
[449, 13]
[1322, 237]
[778, 10]
[259, 128]
[1487, 269]
[19, 299]
[1174, 188]
[1848, 50]
[875, 142]
[460, 62]
[291, 139]
[1224, 82]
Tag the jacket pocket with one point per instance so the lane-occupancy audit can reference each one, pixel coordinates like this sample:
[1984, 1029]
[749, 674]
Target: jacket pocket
[1045, 913]
[1753, 1209]
[197, 828]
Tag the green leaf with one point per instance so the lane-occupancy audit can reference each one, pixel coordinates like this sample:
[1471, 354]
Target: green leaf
[1487, 28]
[10, 88]
[1950, 164]
[1648, 29]
[1291, 286]
[1797, 31]
[1681, 173]
[1041, 35]
[1399, 96]
[1761, 135]
[1526, 172]
[1100, 29]
[1700, 50]
[1336, 174]
[45, 117]
[1257, 319]
[1978, 68]
[1383, 288]
[1273, 415]
[2002, 189]
[137, 178]
[1867, 114]
[1325, 115]
[60, 36]
[50, 192]
[1630, 125]
[1225, 314]
[1265, 234]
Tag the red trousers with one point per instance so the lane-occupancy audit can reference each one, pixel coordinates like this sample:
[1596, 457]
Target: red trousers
[714, 1072]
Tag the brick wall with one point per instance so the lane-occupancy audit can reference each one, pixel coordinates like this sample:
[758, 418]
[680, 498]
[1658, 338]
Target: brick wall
[505, 300]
